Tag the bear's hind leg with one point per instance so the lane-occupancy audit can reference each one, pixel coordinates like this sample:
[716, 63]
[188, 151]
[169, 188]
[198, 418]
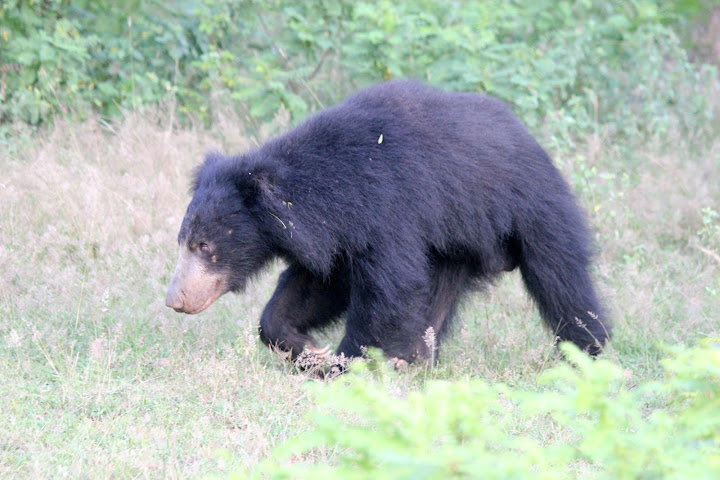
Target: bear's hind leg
[301, 302]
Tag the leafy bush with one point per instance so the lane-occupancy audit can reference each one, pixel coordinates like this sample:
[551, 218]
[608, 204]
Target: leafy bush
[710, 242]
[576, 67]
[62, 57]
[589, 420]
[710, 231]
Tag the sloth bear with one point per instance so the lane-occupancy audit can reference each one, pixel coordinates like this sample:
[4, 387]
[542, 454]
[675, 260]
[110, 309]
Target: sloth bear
[387, 209]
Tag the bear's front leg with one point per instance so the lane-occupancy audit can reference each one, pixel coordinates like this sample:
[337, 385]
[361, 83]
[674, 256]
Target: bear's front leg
[301, 302]
[389, 310]
[398, 335]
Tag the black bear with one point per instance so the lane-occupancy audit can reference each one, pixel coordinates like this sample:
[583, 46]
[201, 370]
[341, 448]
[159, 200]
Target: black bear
[388, 208]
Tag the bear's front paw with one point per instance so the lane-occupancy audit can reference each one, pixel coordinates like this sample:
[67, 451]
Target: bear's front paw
[313, 357]
[399, 364]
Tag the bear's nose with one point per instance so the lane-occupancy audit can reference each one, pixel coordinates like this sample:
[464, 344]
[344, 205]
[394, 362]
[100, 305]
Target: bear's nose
[174, 301]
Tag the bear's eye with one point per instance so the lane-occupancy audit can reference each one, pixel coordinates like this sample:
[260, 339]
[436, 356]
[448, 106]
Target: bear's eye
[203, 247]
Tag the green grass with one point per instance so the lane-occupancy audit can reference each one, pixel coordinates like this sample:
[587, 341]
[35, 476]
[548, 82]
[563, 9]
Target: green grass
[98, 379]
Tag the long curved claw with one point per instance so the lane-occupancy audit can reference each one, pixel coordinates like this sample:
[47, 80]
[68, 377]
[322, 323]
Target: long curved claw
[318, 352]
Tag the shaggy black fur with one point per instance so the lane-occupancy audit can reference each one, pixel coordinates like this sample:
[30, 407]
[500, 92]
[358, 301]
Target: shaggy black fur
[388, 207]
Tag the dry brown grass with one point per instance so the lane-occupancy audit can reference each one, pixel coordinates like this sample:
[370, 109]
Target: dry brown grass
[94, 209]
[661, 273]
[87, 243]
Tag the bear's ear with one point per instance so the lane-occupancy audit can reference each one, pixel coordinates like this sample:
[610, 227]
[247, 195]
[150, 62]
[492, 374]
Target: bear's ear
[257, 182]
[206, 170]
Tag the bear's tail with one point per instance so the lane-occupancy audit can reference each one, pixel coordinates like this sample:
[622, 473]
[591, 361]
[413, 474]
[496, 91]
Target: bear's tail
[554, 257]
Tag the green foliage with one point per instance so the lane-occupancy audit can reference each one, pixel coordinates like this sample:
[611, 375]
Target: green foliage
[710, 231]
[589, 418]
[63, 57]
[575, 67]
[710, 242]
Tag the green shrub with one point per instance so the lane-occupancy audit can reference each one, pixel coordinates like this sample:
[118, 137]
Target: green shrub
[589, 420]
[62, 57]
[709, 236]
[613, 67]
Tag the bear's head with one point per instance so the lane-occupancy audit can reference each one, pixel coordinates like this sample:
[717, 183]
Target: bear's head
[220, 241]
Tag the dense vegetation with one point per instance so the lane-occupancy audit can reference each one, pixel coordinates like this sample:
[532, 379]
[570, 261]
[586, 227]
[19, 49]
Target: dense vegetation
[582, 66]
[106, 106]
[592, 419]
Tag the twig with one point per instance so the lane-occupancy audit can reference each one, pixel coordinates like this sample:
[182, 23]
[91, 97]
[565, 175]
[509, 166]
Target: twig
[709, 253]
[278, 219]
[270, 38]
[319, 65]
[312, 92]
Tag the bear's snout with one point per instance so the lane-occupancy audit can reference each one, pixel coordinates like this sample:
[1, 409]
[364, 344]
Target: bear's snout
[174, 300]
[193, 288]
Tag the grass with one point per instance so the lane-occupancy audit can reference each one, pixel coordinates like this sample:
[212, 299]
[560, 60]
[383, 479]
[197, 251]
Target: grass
[99, 379]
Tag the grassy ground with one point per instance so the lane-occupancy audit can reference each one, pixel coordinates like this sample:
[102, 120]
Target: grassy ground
[99, 379]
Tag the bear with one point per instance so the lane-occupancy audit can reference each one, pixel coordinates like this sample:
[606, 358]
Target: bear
[388, 208]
